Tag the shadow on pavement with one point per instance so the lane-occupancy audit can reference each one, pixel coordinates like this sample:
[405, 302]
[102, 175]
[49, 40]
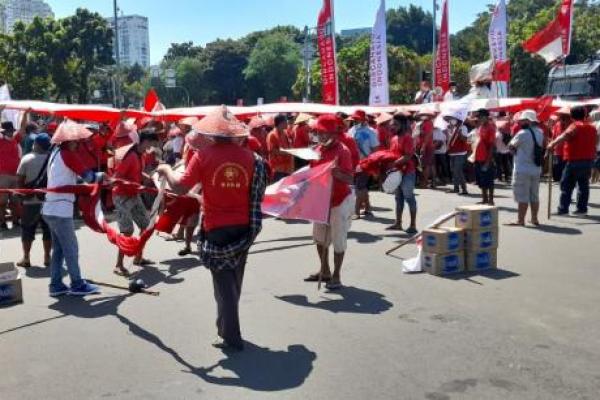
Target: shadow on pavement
[561, 230]
[352, 300]
[495, 274]
[288, 239]
[379, 220]
[262, 369]
[364, 237]
[292, 246]
[36, 272]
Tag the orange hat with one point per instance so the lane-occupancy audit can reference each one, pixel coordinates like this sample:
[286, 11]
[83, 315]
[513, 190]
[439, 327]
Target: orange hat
[125, 129]
[196, 140]
[221, 123]
[257, 122]
[328, 123]
[70, 131]
[563, 111]
[189, 121]
[383, 118]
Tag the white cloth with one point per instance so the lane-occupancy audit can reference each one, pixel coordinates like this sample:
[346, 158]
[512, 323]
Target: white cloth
[440, 136]
[59, 204]
[177, 144]
[449, 96]
[340, 221]
[500, 146]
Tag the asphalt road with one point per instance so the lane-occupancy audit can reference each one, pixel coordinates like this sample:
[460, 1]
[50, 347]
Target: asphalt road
[527, 331]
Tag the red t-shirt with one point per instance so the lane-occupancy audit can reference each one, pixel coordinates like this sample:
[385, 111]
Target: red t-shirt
[581, 146]
[129, 169]
[425, 140]
[404, 146]
[384, 136]
[225, 171]
[254, 144]
[89, 154]
[558, 130]
[100, 143]
[487, 140]
[301, 136]
[351, 145]
[280, 162]
[457, 142]
[344, 161]
[9, 156]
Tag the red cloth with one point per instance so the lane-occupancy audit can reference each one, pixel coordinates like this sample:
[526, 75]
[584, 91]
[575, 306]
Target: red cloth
[89, 154]
[9, 156]
[149, 160]
[129, 169]
[384, 136]
[301, 136]
[254, 144]
[558, 130]
[225, 171]
[73, 161]
[425, 139]
[404, 146]
[178, 210]
[150, 100]
[582, 144]
[350, 144]
[458, 145]
[487, 139]
[101, 142]
[378, 161]
[280, 163]
[339, 152]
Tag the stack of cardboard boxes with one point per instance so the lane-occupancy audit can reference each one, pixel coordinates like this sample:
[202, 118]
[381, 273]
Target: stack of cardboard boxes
[11, 290]
[472, 245]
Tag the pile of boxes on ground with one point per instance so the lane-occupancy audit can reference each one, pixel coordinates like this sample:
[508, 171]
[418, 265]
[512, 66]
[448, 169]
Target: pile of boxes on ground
[11, 290]
[469, 246]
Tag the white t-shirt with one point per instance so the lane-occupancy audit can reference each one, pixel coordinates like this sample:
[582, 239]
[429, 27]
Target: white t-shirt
[59, 204]
[440, 136]
[524, 159]
[500, 146]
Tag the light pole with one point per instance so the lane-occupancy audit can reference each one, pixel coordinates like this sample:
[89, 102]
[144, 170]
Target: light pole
[113, 84]
[308, 54]
[433, 66]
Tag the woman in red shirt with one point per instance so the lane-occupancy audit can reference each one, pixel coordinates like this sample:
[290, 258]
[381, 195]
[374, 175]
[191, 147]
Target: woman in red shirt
[484, 156]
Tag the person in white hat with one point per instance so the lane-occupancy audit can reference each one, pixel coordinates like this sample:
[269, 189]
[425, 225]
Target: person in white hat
[233, 183]
[458, 147]
[527, 166]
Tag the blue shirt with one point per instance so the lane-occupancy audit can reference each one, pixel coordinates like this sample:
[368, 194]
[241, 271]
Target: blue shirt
[366, 140]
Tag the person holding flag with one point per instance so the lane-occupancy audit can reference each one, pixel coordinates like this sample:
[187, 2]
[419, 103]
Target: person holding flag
[328, 128]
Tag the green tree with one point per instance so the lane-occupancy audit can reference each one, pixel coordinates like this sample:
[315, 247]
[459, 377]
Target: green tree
[272, 67]
[410, 27]
[227, 60]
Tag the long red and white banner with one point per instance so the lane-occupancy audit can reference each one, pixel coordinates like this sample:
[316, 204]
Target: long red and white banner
[497, 37]
[442, 56]
[326, 43]
[553, 43]
[378, 61]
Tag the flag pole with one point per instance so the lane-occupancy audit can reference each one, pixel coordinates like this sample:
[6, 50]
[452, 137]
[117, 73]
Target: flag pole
[433, 53]
[337, 80]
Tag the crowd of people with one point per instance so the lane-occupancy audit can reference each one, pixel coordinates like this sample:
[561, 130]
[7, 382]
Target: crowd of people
[224, 164]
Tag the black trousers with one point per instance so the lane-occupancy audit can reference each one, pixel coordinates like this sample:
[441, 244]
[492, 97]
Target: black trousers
[227, 286]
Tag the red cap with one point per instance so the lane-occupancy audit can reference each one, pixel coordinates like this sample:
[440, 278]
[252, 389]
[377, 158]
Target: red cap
[328, 123]
[359, 116]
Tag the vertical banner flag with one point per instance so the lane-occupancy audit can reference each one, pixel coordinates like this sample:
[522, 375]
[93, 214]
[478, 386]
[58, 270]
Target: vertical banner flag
[326, 42]
[378, 62]
[497, 41]
[553, 43]
[442, 61]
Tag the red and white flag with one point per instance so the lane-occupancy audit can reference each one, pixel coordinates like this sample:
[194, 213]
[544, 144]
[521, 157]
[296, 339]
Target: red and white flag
[554, 41]
[305, 195]
[150, 100]
[442, 56]
[326, 42]
[497, 35]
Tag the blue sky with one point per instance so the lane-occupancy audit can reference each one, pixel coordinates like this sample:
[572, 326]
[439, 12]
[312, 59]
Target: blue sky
[205, 20]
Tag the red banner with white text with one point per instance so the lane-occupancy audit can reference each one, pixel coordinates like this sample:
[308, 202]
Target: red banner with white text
[442, 61]
[326, 42]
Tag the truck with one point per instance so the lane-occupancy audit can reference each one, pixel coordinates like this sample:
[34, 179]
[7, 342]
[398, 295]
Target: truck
[575, 82]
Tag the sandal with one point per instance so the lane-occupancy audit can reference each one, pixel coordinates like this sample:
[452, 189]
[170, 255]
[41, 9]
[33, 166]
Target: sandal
[333, 285]
[185, 251]
[122, 272]
[315, 278]
[143, 262]
[24, 264]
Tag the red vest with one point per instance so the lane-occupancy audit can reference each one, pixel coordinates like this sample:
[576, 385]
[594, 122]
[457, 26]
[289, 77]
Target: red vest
[582, 144]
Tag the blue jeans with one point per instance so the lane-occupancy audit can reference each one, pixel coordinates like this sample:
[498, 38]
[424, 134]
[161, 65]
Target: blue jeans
[406, 193]
[64, 250]
[575, 173]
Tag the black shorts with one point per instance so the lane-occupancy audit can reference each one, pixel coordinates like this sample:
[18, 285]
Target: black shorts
[361, 181]
[484, 178]
[30, 220]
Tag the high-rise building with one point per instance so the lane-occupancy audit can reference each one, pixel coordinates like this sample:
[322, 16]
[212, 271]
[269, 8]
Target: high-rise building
[134, 40]
[12, 11]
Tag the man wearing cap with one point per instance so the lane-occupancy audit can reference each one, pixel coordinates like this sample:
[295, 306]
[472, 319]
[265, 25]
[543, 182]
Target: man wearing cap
[526, 173]
[233, 183]
[367, 142]
[558, 162]
[458, 147]
[384, 134]
[328, 128]
[451, 94]
[301, 135]
[64, 166]
[31, 174]
[483, 156]
[10, 154]
[128, 203]
[282, 163]
[579, 152]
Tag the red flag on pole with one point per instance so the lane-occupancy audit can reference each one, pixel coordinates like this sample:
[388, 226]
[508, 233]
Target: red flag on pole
[151, 100]
[501, 71]
[326, 42]
[554, 41]
[442, 61]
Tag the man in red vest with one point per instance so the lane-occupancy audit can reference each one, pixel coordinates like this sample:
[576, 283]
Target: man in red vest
[579, 153]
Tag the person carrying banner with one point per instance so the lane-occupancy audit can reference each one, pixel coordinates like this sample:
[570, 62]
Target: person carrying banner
[64, 166]
[328, 127]
[128, 203]
[233, 182]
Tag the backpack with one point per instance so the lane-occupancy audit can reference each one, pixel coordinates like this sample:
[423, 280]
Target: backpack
[41, 181]
[538, 152]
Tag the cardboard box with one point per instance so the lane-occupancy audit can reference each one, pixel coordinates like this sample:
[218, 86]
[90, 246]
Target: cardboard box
[443, 240]
[485, 239]
[11, 289]
[477, 217]
[481, 260]
[443, 264]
